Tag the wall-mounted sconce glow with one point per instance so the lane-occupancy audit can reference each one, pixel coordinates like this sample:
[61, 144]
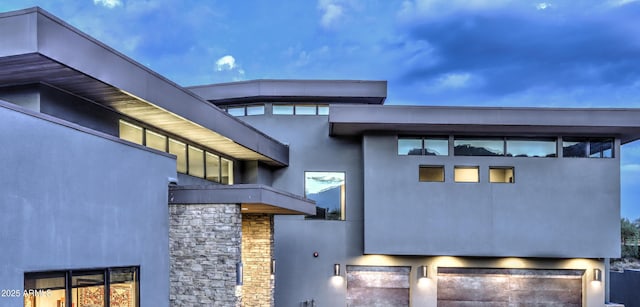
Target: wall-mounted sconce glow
[423, 272]
[336, 269]
[597, 275]
[273, 267]
[239, 274]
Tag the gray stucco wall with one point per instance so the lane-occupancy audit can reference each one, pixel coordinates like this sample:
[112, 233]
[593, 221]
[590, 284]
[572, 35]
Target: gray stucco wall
[300, 276]
[72, 200]
[557, 207]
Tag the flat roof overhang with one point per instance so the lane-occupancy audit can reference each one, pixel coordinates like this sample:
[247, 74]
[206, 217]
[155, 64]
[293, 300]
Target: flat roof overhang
[328, 91]
[37, 47]
[482, 121]
[254, 198]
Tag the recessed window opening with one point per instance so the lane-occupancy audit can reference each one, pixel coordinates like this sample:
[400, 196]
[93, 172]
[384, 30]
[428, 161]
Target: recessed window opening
[431, 173]
[501, 174]
[466, 174]
[328, 190]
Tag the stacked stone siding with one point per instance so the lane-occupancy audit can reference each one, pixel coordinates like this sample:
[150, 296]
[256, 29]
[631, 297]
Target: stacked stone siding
[257, 252]
[204, 244]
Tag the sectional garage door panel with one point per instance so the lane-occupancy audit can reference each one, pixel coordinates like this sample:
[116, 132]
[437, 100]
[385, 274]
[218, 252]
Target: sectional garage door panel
[373, 286]
[509, 287]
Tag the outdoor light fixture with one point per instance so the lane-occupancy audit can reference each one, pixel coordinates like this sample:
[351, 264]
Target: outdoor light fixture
[273, 267]
[597, 275]
[239, 274]
[423, 272]
[336, 269]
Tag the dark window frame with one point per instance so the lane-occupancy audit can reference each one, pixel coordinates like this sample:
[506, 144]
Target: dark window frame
[68, 281]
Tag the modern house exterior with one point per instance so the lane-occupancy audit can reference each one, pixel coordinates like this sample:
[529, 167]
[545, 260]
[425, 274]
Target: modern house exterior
[122, 188]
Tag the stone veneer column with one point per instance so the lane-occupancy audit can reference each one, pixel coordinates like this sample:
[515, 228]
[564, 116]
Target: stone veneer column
[257, 252]
[204, 245]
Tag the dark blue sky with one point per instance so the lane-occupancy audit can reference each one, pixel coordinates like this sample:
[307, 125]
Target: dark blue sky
[432, 52]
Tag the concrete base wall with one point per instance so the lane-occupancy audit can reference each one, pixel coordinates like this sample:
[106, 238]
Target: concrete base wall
[204, 243]
[257, 252]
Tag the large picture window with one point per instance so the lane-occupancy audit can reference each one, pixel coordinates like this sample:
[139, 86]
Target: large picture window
[328, 191]
[97, 287]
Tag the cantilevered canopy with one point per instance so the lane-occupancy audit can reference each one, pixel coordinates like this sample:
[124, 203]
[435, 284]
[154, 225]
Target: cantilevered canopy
[36, 47]
[326, 91]
[482, 121]
[254, 198]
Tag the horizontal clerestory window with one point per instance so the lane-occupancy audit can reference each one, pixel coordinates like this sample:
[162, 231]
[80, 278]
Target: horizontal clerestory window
[587, 147]
[300, 109]
[190, 159]
[246, 110]
[429, 146]
[478, 147]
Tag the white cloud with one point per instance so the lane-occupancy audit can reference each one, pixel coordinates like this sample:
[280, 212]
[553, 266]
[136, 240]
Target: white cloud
[108, 3]
[331, 12]
[226, 62]
[454, 80]
[543, 6]
[228, 69]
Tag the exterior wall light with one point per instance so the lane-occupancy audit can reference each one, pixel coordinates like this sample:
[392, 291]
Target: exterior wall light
[597, 275]
[273, 267]
[336, 269]
[239, 274]
[423, 272]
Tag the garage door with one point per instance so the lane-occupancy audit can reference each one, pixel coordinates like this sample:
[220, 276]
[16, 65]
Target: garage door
[374, 286]
[509, 287]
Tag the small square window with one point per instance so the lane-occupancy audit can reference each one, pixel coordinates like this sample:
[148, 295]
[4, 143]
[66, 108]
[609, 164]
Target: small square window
[501, 175]
[431, 173]
[466, 174]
